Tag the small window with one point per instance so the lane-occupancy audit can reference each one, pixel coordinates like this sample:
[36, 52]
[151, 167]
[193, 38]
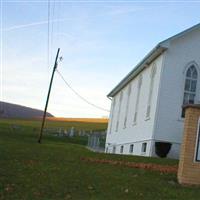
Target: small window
[121, 149]
[144, 147]
[114, 149]
[131, 148]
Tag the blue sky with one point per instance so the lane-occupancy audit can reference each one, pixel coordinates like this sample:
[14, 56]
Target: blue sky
[100, 41]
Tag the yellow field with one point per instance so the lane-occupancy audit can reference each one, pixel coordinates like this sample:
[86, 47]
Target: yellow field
[91, 120]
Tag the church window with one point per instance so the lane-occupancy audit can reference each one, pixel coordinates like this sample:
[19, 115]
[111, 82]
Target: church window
[152, 77]
[119, 110]
[137, 99]
[127, 105]
[190, 87]
[112, 114]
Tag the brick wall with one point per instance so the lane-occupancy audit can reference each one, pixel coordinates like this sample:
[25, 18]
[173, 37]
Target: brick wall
[189, 169]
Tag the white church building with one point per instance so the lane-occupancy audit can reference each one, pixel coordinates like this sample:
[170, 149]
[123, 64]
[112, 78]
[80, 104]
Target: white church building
[147, 105]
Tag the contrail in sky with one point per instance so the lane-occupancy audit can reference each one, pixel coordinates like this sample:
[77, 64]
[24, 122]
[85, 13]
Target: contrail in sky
[112, 12]
[12, 28]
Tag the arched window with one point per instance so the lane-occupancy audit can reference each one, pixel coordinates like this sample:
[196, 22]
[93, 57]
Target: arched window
[152, 77]
[112, 114]
[137, 99]
[127, 105]
[119, 110]
[190, 87]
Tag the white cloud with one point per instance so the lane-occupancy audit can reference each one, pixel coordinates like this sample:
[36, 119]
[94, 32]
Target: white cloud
[120, 10]
[21, 26]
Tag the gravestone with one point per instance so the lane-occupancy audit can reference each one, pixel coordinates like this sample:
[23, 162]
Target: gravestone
[65, 132]
[189, 163]
[79, 132]
[71, 134]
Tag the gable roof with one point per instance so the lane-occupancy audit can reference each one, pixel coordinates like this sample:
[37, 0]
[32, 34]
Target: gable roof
[152, 55]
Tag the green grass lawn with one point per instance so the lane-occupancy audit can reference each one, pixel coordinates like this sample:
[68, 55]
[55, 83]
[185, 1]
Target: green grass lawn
[53, 170]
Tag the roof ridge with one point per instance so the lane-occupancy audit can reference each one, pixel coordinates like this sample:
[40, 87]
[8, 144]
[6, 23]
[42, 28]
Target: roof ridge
[181, 33]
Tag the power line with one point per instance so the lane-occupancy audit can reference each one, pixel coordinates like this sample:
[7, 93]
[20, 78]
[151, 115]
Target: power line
[52, 30]
[48, 34]
[57, 24]
[77, 94]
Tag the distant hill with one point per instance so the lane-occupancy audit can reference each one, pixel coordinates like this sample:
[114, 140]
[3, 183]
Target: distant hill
[9, 110]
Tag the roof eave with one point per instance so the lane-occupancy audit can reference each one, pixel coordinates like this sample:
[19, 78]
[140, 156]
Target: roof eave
[152, 55]
[162, 46]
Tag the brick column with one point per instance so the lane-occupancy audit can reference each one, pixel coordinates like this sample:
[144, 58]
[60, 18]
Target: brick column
[189, 169]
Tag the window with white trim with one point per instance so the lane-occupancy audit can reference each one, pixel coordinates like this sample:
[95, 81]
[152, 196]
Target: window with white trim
[119, 110]
[152, 77]
[112, 114]
[190, 87]
[137, 99]
[127, 105]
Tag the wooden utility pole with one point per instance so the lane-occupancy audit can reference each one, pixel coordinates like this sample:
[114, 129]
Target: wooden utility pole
[48, 95]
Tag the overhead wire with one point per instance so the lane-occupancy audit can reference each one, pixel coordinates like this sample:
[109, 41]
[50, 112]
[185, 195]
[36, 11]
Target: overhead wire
[59, 11]
[78, 95]
[48, 33]
[62, 77]
[52, 30]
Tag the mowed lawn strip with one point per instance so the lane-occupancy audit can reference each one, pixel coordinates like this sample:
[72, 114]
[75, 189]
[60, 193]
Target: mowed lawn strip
[54, 170]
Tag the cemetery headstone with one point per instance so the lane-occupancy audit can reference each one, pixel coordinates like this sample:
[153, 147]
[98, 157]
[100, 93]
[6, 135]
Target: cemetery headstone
[71, 134]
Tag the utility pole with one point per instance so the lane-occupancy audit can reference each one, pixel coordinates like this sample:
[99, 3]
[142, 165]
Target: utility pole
[48, 95]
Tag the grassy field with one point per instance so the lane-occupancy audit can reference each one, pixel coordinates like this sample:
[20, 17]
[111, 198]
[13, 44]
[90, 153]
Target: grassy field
[54, 170]
[78, 124]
